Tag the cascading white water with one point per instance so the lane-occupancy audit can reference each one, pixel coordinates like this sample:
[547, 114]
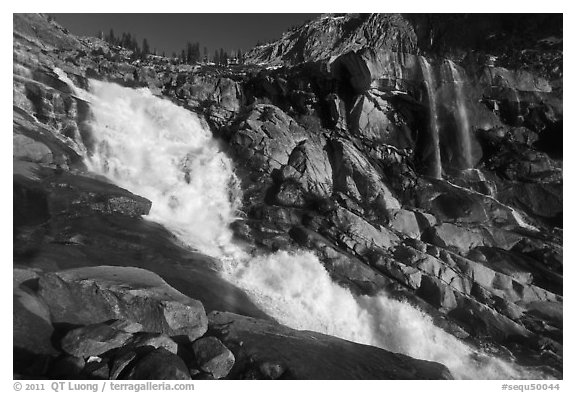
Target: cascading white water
[518, 107]
[461, 117]
[164, 153]
[433, 117]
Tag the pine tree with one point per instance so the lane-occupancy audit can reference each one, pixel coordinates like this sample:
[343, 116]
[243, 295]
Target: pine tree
[222, 57]
[196, 52]
[188, 53]
[145, 47]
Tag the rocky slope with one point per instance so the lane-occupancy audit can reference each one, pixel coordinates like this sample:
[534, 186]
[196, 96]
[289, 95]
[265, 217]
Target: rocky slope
[335, 154]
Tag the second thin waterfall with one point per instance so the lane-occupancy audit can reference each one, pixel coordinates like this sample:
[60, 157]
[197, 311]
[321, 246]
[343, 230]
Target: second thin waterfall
[434, 127]
[463, 124]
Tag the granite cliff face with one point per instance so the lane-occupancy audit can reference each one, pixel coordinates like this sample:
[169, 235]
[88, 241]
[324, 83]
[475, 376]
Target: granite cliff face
[411, 160]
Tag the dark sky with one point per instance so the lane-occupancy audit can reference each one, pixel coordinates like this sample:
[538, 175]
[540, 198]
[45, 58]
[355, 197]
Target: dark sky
[170, 32]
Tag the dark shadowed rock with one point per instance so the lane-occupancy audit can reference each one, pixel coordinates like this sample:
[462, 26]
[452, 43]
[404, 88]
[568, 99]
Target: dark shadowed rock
[271, 370]
[98, 294]
[309, 355]
[120, 362]
[153, 340]
[67, 367]
[32, 328]
[96, 368]
[160, 364]
[213, 357]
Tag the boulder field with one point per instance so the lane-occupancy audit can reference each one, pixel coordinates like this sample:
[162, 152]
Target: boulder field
[329, 130]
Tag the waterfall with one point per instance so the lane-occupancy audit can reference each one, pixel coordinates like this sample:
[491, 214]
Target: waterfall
[518, 118]
[165, 153]
[434, 127]
[462, 121]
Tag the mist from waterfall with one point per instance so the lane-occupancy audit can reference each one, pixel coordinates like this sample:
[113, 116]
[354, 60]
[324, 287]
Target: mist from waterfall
[433, 124]
[165, 153]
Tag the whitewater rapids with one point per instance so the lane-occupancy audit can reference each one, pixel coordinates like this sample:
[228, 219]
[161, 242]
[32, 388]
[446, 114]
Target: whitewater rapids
[165, 153]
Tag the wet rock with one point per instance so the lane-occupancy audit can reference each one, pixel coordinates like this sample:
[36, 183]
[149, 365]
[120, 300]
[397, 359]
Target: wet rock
[343, 267]
[309, 355]
[213, 357]
[98, 294]
[75, 195]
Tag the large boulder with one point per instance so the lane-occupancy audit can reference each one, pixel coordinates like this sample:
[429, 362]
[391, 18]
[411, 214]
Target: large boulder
[372, 118]
[76, 195]
[97, 294]
[540, 199]
[160, 364]
[31, 327]
[310, 167]
[93, 340]
[265, 137]
[462, 239]
[213, 357]
[309, 355]
[27, 149]
[377, 68]
[406, 222]
[352, 231]
[357, 178]
[66, 195]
